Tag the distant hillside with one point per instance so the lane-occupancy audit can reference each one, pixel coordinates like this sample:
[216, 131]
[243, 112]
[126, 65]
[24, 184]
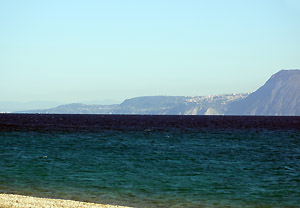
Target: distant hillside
[154, 105]
[280, 95]
[179, 105]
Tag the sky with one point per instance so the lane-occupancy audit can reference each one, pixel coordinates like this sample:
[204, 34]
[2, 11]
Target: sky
[90, 50]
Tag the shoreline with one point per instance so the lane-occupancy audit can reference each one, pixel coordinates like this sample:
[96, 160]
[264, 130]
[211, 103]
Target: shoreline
[21, 201]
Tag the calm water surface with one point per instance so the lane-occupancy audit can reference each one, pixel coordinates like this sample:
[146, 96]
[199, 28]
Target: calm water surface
[150, 161]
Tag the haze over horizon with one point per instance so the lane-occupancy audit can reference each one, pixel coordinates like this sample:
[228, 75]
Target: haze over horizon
[75, 51]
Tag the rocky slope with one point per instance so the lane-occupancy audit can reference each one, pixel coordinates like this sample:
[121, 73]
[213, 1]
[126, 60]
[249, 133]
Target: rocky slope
[280, 95]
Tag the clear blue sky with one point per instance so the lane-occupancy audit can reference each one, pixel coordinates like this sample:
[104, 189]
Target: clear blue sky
[70, 51]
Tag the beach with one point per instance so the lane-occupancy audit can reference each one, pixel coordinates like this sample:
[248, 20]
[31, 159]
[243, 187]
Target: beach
[19, 201]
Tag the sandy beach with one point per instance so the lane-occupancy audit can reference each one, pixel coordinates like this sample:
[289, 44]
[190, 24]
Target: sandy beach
[19, 201]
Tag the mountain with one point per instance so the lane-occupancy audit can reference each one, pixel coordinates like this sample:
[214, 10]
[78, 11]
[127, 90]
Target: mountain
[158, 105]
[280, 95]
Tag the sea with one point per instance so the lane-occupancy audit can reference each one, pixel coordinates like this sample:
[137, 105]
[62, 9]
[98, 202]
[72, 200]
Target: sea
[153, 161]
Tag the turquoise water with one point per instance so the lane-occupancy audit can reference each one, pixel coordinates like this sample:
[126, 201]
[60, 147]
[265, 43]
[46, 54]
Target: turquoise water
[155, 168]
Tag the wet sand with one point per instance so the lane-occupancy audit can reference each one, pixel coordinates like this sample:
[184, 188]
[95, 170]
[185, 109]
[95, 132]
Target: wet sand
[19, 201]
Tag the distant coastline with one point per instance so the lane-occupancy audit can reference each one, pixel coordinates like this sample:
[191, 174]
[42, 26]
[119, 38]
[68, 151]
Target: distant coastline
[279, 96]
[153, 105]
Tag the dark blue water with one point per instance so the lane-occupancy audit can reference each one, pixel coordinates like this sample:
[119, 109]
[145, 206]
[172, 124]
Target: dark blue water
[153, 161]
